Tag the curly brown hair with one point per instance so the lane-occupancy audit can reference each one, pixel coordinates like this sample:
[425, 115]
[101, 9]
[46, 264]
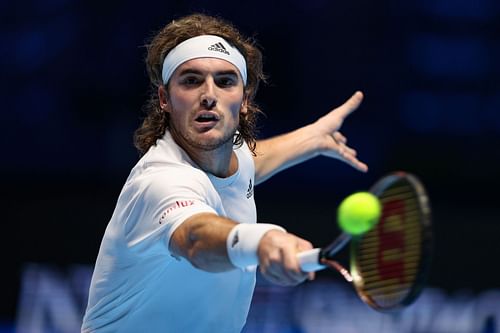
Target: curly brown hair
[157, 121]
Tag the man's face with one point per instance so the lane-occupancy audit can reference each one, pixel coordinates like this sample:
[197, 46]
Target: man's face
[205, 100]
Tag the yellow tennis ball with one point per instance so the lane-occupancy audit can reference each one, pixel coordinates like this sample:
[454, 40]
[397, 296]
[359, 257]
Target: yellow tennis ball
[358, 213]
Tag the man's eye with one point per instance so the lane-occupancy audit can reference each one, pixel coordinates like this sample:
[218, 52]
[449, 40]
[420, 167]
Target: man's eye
[190, 80]
[226, 81]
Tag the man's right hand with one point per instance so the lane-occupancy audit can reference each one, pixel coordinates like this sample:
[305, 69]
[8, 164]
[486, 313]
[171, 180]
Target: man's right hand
[278, 258]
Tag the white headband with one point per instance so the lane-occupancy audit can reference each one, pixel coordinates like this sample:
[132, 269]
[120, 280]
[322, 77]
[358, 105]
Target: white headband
[205, 46]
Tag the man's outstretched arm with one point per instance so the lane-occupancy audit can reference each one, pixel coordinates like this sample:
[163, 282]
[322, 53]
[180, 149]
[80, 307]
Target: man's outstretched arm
[319, 138]
[203, 240]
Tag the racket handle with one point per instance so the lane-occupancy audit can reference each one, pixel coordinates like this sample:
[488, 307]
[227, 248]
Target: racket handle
[309, 260]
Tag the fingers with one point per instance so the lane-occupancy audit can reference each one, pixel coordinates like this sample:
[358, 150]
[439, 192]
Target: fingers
[339, 137]
[332, 121]
[278, 258]
[304, 245]
[354, 162]
[348, 155]
[283, 272]
[340, 150]
[350, 105]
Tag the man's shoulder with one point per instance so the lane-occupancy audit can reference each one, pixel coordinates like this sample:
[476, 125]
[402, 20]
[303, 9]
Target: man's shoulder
[171, 173]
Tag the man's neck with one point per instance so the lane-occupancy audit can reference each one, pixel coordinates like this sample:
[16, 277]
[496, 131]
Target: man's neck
[221, 161]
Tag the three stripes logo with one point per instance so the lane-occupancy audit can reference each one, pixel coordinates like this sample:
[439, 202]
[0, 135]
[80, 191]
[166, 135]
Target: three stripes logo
[236, 239]
[219, 47]
[250, 189]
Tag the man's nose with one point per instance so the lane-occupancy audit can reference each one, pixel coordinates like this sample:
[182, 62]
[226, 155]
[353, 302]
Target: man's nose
[208, 97]
[208, 102]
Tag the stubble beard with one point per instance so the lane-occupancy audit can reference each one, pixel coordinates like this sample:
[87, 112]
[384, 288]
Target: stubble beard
[202, 144]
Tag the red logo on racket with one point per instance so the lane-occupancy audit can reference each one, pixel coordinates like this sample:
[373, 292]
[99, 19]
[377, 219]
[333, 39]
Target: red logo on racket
[391, 249]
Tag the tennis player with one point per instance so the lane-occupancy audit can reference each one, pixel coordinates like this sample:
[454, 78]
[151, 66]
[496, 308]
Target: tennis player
[181, 249]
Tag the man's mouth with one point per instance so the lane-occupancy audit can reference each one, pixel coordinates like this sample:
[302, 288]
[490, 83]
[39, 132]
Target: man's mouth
[206, 117]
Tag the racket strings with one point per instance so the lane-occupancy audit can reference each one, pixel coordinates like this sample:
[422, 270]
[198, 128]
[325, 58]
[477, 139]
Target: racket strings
[387, 258]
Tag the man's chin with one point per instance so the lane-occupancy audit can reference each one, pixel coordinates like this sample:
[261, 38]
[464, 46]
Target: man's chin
[210, 141]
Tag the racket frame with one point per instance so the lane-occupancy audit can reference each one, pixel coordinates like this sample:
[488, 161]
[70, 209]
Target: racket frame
[426, 243]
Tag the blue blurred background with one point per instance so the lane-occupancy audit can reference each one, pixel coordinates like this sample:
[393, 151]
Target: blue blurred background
[73, 83]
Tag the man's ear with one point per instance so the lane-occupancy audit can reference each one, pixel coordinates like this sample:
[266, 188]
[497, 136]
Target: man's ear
[244, 106]
[163, 96]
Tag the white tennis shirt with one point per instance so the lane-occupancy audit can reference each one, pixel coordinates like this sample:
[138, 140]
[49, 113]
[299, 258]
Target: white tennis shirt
[137, 286]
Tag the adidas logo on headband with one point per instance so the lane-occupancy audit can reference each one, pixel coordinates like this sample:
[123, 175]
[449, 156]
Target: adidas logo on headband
[219, 47]
[203, 46]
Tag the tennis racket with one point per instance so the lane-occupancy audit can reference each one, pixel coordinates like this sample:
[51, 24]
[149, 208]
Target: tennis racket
[389, 263]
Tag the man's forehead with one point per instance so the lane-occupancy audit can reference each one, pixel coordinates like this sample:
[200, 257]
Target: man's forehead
[207, 65]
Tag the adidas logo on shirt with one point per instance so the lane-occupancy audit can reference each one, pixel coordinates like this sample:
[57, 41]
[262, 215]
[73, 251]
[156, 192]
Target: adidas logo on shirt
[250, 189]
[219, 47]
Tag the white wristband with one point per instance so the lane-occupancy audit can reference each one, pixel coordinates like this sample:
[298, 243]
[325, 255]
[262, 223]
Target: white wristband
[243, 241]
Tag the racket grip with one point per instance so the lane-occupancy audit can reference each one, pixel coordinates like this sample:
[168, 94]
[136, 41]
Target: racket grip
[309, 260]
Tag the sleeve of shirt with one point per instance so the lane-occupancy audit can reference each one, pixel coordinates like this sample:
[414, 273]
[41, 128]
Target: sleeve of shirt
[164, 200]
